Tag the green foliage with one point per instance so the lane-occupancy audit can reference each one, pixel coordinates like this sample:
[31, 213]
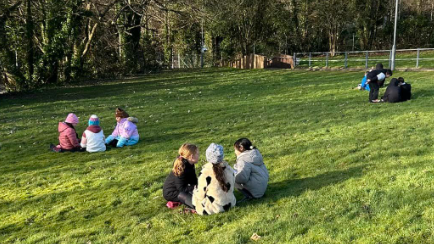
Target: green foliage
[341, 170]
[52, 42]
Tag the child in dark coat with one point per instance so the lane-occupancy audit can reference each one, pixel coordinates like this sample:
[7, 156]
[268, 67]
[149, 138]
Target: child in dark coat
[180, 183]
[405, 89]
[393, 92]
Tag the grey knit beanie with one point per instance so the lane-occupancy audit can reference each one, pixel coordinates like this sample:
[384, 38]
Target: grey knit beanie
[214, 153]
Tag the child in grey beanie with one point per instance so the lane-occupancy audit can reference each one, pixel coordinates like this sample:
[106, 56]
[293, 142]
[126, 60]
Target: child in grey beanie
[215, 189]
[214, 153]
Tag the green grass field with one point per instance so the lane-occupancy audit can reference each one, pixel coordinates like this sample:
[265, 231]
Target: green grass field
[341, 170]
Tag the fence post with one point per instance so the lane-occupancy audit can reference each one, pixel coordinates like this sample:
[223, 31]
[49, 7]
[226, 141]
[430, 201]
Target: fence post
[172, 57]
[179, 61]
[327, 60]
[346, 60]
[310, 59]
[390, 59]
[295, 60]
[366, 60]
[417, 59]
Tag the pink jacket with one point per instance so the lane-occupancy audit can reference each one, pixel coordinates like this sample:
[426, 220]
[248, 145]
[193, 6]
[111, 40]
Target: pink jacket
[67, 137]
[125, 129]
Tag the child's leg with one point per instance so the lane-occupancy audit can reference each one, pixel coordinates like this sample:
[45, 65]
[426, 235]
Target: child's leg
[127, 142]
[246, 193]
[373, 92]
[55, 148]
[109, 139]
[113, 143]
[186, 199]
[376, 90]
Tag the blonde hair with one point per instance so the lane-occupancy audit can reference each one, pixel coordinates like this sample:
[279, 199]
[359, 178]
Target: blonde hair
[185, 151]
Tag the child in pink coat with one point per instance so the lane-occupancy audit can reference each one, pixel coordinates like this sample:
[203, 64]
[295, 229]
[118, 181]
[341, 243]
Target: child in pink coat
[125, 133]
[68, 138]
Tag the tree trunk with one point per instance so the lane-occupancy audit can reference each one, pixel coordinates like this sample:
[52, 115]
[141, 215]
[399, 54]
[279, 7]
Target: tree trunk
[30, 45]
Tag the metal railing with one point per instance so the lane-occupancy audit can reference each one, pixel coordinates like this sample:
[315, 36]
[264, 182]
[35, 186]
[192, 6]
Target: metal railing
[408, 58]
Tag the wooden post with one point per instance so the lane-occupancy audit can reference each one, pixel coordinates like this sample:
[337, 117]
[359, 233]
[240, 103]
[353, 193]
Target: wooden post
[417, 59]
[327, 60]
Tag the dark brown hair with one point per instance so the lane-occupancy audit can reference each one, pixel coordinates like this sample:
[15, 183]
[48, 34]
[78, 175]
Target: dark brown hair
[121, 113]
[219, 172]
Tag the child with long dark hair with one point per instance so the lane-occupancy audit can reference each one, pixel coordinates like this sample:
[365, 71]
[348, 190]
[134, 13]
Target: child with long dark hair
[181, 181]
[251, 177]
[215, 189]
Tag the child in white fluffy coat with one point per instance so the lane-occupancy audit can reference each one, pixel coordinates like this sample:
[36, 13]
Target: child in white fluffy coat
[215, 190]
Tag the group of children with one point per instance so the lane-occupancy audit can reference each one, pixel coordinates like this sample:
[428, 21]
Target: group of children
[397, 90]
[213, 191]
[93, 139]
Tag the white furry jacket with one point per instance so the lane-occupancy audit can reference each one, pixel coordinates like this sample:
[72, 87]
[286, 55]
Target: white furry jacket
[209, 197]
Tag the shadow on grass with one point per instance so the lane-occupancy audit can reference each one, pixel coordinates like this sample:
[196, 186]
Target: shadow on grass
[115, 87]
[296, 187]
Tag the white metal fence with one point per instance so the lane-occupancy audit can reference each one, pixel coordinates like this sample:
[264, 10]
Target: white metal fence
[405, 58]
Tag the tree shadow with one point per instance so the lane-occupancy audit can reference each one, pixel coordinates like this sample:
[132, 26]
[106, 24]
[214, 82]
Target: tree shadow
[115, 87]
[296, 187]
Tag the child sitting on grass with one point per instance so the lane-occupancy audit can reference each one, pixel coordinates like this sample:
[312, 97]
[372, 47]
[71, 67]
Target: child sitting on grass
[215, 190]
[181, 181]
[68, 138]
[405, 89]
[125, 133]
[251, 175]
[393, 92]
[93, 137]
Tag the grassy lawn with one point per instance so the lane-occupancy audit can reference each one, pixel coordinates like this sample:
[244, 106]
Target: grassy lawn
[341, 170]
[404, 60]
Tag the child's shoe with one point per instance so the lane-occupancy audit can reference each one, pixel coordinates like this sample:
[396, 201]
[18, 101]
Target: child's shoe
[171, 204]
[188, 210]
[245, 199]
[55, 148]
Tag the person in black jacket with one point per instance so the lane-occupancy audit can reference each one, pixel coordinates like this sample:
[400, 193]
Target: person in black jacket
[380, 82]
[181, 181]
[393, 92]
[405, 89]
[373, 79]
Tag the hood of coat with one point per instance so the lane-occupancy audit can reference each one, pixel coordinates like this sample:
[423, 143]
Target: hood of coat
[94, 128]
[62, 127]
[394, 82]
[123, 120]
[252, 156]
